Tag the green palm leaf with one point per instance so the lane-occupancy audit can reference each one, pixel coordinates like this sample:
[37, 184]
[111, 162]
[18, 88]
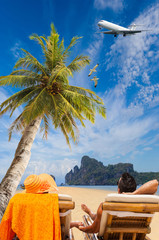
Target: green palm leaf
[46, 92]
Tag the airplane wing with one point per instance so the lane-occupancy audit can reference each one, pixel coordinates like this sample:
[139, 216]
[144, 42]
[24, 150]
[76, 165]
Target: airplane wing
[109, 32]
[123, 32]
[130, 32]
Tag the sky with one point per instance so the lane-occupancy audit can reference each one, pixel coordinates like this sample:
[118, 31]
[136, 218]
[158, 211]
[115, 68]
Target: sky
[128, 81]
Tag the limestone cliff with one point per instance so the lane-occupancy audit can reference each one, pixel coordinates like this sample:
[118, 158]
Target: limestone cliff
[93, 172]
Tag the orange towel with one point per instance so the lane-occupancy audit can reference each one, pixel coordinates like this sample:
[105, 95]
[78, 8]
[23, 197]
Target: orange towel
[31, 216]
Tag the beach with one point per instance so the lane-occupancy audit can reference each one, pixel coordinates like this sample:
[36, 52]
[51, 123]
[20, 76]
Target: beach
[92, 198]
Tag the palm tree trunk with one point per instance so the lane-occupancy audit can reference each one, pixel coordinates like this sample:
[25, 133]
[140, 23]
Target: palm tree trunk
[13, 176]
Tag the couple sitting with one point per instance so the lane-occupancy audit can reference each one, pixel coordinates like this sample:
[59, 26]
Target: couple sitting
[33, 205]
[126, 184]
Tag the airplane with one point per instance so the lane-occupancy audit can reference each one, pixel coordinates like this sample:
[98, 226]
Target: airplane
[116, 29]
[93, 70]
[95, 79]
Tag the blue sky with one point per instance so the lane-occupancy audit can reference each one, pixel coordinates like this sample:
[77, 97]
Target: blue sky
[128, 81]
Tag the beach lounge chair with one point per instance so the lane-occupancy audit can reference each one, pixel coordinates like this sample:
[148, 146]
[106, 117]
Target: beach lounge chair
[125, 217]
[65, 206]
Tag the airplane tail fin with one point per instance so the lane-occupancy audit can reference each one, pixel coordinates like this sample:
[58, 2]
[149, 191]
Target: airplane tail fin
[133, 26]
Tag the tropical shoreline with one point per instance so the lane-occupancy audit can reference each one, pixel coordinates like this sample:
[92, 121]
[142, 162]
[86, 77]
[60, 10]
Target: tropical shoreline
[92, 198]
[112, 188]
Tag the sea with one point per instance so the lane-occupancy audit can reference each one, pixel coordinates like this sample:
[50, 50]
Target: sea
[102, 187]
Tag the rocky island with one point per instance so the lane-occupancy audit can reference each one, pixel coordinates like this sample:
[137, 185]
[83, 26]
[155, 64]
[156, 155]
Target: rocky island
[93, 172]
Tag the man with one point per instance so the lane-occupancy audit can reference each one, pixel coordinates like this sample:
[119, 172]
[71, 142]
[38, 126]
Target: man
[126, 184]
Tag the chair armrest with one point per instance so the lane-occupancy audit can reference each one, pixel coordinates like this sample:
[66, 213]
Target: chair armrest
[66, 205]
[135, 207]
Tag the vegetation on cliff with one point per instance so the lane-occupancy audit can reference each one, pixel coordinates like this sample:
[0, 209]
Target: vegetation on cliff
[93, 172]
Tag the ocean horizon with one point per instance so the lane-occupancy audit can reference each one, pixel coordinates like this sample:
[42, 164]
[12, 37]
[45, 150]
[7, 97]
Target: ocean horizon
[98, 187]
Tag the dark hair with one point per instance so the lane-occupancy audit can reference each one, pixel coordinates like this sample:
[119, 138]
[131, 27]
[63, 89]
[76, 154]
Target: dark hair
[127, 183]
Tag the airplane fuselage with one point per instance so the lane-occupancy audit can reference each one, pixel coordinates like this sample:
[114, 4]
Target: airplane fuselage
[111, 26]
[116, 29]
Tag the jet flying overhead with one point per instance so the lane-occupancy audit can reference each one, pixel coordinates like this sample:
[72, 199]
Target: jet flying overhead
[116, 29]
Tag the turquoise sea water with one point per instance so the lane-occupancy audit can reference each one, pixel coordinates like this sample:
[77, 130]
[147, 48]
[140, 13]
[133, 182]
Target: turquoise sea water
[111, 188]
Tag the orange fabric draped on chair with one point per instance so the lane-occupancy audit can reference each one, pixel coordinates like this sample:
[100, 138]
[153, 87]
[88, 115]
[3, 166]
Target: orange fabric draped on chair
[31, 216]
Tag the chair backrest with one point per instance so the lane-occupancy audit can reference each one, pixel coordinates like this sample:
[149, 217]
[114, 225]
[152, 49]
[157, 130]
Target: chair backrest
[65, 206]
[127, 216]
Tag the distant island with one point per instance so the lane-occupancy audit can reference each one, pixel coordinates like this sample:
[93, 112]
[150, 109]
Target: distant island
[93, 172]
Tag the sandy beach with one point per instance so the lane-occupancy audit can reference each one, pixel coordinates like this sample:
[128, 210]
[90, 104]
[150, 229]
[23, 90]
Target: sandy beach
[92, 198]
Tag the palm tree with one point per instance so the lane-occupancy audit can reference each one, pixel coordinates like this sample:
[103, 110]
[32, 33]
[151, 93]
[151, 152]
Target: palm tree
[46, 97]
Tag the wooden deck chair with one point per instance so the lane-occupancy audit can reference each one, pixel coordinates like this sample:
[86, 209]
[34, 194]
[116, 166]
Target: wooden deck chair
[65, 206]
[125, 217]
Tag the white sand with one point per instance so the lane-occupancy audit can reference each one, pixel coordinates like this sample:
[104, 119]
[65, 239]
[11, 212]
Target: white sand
[92, 198]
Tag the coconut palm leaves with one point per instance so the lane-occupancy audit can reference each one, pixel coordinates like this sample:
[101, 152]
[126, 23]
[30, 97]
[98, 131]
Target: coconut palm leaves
[46, 92]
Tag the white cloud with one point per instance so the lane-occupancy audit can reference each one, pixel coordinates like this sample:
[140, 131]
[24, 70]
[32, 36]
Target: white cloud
[120, 134]
[133, 55]
[58, 168]
[16, 49]
[95, 46]
[147, 148]
[124, 132]
[127, 128]
[115, 5]
[149, 95]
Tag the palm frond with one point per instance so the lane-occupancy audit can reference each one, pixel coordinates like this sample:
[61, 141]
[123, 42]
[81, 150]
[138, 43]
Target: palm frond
[17, 125]
[39, 40]
[11, 102]
[63, 130]
[45, 125]
[60, 72]
[35, 107]
[85, 91]
[46, 92]
[53, 29]
[19, 81]
[78, 96]
[25, 72]
[30, 62]
[70, 126]
[83, 104]
[78, 63]
[66, 53]
[27, 97]
[70, 108]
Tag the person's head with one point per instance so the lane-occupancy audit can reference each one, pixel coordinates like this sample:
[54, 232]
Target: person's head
[42, 183]
[126, 183]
